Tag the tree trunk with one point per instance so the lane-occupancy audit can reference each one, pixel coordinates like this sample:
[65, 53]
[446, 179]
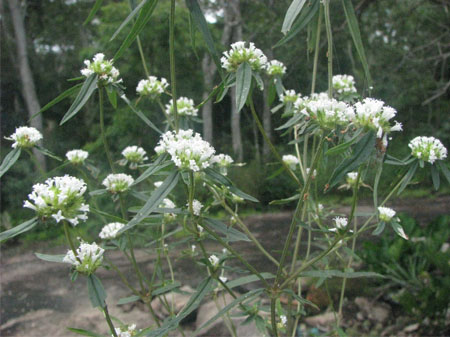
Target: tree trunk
[26, 78]
[209, 70]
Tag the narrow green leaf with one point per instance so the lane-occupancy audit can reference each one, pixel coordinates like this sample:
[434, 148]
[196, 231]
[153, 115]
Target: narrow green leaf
[9, 160]
[51, 258]
[106, 215]
[408, 177]
[112, 97]
[300, 299]
[202, 25]
[243, 84]
[231, 234]
[285, 201]
[435, 177]
[291, 122]
[192, 34]
[352, 22]
[128, 19]
[444, 170]
[251, 294]
[154, 201]
[94, 10]
[166, 289]
[337, 273]
[155, 167]
[22, 228]
[85, 93]
[139, 113]
[338, 149]
[130, 299]
[67, 93]
[138, 26]
[301, 22]
[248, 279]
[47, 153]
[97, 192]
[291, 14]
[83, 332]
[363, 149]
[399, 230]
[380, 228]
[97, 293]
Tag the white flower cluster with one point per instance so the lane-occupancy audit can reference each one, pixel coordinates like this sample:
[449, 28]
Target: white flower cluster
[89, 258]
[152, 87]
[290, 160]
[327, 112]
[340, 224]
[428, 149]
[351, 178]
[344, 84]
[60, 198]
[185, 107]
[313, 175]
[129, 331]
[135, 155]
[214, 260]
[239, 53]
[25, 137]
[386, 214]
[110, 230]
[275, 68]
[118, 183]
[167, 203]
[283, 319]
[289, 96]
[77, 157]
[196, 207]
[157, 183]
[222, 160]
[103, 68]
[373, 114]
[187, 150]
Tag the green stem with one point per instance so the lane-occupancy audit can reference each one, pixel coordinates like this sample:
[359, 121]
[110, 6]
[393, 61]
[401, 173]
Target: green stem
[102, 128]
[330, 47]
[169, 120]
[69, 240]
[273, 316]
[36, 162]
[108, 319]
[316, 51]
[141, 53]
[172, 61]
[268, 141]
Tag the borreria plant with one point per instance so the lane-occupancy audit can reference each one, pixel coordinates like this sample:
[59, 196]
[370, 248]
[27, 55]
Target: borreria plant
[338, 128]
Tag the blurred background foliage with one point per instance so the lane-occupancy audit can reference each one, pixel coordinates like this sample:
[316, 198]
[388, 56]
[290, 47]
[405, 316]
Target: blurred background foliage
[407, 44]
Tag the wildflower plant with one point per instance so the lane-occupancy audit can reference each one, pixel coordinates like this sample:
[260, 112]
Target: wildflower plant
[338, 133]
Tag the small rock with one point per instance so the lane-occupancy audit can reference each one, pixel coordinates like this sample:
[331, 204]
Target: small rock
[378, 312]
[322, 319]
[359, 316]
[412, 327]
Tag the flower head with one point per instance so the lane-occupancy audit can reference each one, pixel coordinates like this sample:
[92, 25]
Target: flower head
[344, 85]
[351, 178]
[60, 198]
[111, 230]
[25, 137]
[129, 331]
[239, 53]
[157, 183]
[105, 70]
[386, 214]
[196, 207]
[77, 157]
[187, 150]
[428, 149]
[89, 257]
[275, 68]
[152, 87]
[222, 160]
[135, 155]
[373, 114]
[118, 183]
[290, 160]
[325, 111]
[185, 107]
[289, 96]
[340, 224]
[167, 203]
[214, 260]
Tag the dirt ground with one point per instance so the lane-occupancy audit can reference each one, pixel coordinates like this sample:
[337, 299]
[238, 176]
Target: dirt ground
[38, 299]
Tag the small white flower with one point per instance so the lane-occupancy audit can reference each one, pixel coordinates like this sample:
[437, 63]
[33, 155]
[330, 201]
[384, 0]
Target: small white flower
[222, 160]
[111, 230]
[239, 53]
[129, 331]
[135, 155]
[283, 320]
[167, 203]
[60, 198]
[214, 260]
[25, 137]
[90, 255]
[193, 248]
[289, 96]
[152, 87]
[185, 107]
[274, 68]
[118, 183]
[187, 150]
[200, 229]
[386, 214]
[313, 174]
[344, 84]
[291, 160]
[157, 183]
[340, 224]
[223, 279]
[428, 149]
[77, 157]
[224, 251]
[351, 178]
[196, 207]
[105, 70]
